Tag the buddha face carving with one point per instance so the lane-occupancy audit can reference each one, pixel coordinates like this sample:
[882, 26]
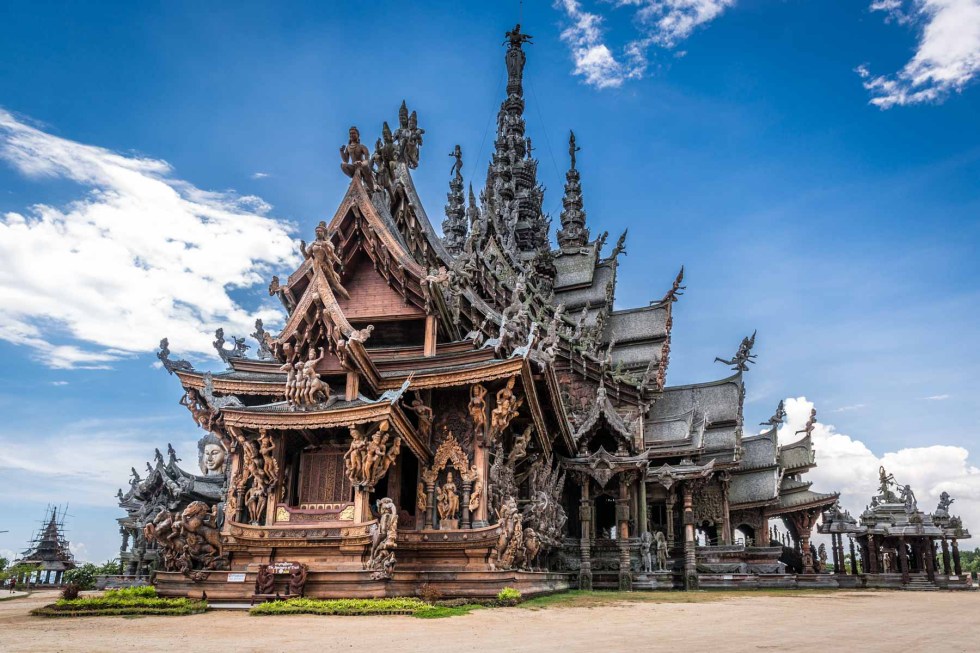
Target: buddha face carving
[213, 459]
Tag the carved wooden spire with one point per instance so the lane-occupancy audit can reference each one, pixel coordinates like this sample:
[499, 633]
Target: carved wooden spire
[573, 232]
[454, 226]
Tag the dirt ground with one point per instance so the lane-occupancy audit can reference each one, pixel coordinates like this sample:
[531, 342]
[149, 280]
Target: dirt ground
[730, 621]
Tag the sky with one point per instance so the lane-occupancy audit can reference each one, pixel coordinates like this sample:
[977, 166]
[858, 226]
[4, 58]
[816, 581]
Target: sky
[814, 166]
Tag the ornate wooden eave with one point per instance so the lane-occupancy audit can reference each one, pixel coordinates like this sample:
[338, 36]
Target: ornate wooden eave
[667, 475]
[341, 417]
[449, 377]
[561, 415]
[603, 411]
[602, 466]
[231, 386]
[818, 503]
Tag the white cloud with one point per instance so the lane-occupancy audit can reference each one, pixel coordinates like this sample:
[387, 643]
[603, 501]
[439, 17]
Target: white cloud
[139, 256]
[59, 383]
[664, 23]
[937, 398]
[847, 465]
[846, 409]
[80, 551]
[260, 175]
[947, 55]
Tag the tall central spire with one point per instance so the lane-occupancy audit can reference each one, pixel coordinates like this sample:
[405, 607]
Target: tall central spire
[512, 191]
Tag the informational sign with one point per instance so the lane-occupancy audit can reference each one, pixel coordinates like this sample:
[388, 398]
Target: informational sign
[236, 578]
[283, 567]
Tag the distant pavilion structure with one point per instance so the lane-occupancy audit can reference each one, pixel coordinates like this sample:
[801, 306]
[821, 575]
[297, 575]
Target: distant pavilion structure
[49, 549]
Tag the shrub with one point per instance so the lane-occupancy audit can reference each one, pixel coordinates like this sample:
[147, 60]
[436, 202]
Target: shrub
[83, 576]
[124, 593]
[428, 593]
[407, 605]
[121, 602]
[70, 593]
[509, 596]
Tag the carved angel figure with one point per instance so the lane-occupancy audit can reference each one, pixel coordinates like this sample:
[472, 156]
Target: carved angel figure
[506, 409]
[478, 407]
[448, 500]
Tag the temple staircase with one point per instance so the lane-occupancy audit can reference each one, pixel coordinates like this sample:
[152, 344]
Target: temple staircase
[920, 583]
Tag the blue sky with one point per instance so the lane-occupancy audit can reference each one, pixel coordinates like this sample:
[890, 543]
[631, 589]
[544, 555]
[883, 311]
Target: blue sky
[813, 165]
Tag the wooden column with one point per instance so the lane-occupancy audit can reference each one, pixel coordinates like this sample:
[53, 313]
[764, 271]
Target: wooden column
[726, 527]
[690, 552]
[353, 386]
[930, 555]
[854, 562]
[429, 348]
[465, 504]
[643, 526]
[671, 500]
[945, 545]
[480, 461]
[585, 542]
[957, 567]
[362, 506]
[903, 559]
[871, 556]
[623, 540]
[430, 513]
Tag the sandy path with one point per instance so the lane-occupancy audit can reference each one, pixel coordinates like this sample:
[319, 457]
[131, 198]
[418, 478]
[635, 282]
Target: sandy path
[868, 621]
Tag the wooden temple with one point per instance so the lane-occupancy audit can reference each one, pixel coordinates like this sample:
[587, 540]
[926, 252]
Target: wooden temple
[466, 412]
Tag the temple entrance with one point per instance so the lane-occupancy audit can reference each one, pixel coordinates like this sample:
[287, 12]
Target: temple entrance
[605, 517]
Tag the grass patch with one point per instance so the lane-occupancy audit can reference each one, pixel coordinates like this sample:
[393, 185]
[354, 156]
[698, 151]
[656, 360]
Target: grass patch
[586, 599]
[133, 601]
[443, 611]
[348, 607]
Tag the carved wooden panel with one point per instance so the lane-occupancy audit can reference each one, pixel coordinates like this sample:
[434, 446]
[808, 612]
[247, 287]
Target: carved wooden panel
[451, 413]
[322, 478]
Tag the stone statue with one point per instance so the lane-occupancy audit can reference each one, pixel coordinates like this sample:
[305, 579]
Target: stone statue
[172, 454]
[211, 455]
[448, 500]
[357, 159]
[885, 481]
[906, 496]
[532, 547]
[822, 556]
[646, 544]
[384, 541]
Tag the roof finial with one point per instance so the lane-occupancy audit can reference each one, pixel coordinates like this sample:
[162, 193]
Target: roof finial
[572, 148]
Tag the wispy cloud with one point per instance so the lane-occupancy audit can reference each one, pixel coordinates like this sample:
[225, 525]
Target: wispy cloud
[662, 23]
[59, 383]
[947, 55]
[140, 255]
[260, 175]
[936, 398]
[847, 409]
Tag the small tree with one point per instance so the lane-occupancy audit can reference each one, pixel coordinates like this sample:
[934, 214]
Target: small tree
[111, 568]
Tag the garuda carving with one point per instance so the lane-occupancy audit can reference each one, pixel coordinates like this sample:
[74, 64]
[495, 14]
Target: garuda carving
[743, 357]
[369, 457]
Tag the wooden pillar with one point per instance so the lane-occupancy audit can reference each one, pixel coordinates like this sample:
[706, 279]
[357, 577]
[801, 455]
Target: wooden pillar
[903, 560]
[726, 527]
[480, 462]
[430, 513]
[930, 555]
[957, 567]
[690, 552]
[429, 348]
[585, 542]
[467, 490]
[871, 562]
[945, 544]
[671, 500]
[643, 526]
[854, 562]
[353, 386]
[623, 539]
[362, 506]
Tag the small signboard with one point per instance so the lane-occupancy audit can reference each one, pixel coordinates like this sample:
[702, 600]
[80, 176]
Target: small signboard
[727, 577]
[236, 578]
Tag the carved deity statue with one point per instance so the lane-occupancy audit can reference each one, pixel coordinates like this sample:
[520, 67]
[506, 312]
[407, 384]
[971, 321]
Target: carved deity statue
[211, 455]
[506, 409]
[448, 500]
[436, 278]
[646, 545]
[478, 407]
[811, 422]
[368, 458]
[357, 159]
[424, 414]
[510, 541]
[661, 543]
[421, 498]
[743, 357]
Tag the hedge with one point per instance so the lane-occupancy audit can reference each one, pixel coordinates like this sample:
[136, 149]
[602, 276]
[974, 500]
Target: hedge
[127, 601]
[342, 606]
